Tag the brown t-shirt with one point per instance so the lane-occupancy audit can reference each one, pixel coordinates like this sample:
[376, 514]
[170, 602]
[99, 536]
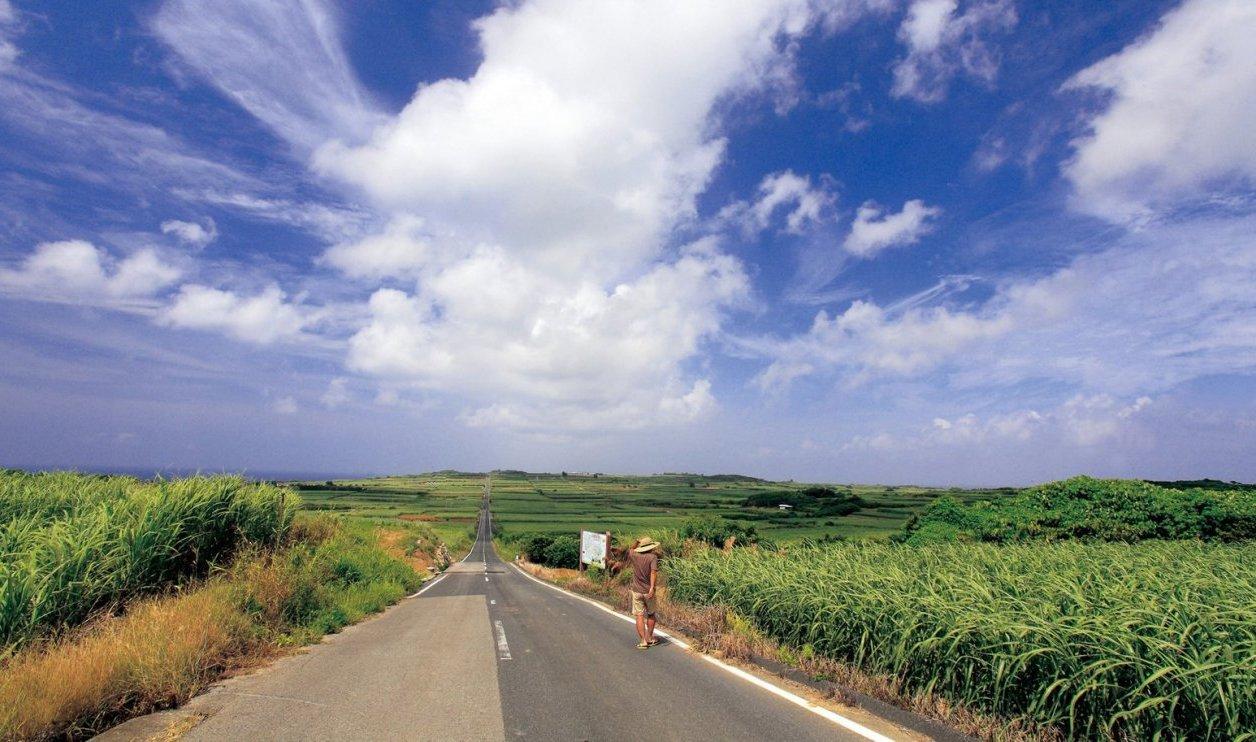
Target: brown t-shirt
[642, 566]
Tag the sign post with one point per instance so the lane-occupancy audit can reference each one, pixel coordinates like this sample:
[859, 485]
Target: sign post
[593, 548]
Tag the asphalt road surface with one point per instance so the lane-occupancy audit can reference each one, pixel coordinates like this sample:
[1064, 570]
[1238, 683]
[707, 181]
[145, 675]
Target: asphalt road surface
[487, 653]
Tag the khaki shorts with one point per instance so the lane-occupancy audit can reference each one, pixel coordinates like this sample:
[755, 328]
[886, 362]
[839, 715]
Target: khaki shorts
[641, 604]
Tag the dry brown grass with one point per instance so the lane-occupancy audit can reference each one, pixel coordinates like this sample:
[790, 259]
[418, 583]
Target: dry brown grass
[718, 631]
[400, 544]
[159, 654]
[161, 651]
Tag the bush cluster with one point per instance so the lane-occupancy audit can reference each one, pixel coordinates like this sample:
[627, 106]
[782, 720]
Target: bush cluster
[550, 550]
[812, 501]
[714, 530]
[1092, 510]
[333, 576]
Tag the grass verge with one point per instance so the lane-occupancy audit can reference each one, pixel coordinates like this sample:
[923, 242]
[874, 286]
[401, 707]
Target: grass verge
[163, 650]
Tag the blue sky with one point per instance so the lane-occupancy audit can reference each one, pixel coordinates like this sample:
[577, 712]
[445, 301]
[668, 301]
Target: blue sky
[923, 241]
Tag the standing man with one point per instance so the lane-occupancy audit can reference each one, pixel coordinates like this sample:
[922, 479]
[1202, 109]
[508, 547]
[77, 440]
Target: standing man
[645, 572]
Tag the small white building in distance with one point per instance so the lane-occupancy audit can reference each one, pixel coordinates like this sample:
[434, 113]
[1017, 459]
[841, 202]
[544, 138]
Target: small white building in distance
[784, 506]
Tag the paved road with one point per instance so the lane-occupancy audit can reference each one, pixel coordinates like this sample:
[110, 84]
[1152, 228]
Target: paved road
[487, 653]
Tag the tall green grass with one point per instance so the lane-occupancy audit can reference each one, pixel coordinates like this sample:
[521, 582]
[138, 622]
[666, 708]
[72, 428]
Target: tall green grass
[71, 544]
[1140, 641]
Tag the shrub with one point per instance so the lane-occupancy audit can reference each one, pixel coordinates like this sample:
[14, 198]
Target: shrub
[714, 530]
[563, 552]
[533, 546]
[1094, 510]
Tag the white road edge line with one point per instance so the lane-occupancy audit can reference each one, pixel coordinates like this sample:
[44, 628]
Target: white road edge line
[503, 649]
[430, 584]
[793, 698]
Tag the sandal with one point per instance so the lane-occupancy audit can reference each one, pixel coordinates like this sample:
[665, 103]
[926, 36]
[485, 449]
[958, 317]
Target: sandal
[643, 645]
[652, 642]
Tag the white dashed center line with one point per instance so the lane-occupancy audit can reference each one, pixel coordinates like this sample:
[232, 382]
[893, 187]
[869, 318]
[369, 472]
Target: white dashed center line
[503, 649]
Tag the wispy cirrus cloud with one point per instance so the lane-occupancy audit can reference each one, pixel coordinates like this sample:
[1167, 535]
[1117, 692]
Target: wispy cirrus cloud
[943, 43]
[283, 62]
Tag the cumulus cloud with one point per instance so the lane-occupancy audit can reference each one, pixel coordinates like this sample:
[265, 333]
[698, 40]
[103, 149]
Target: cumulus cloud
[401, 250]
[262, 319]
[875, 230]
[942, 44]
[1177, 125]
[868, 341]
[583, 137]
[531, 210]
[802, 203]
[78, 271]
[1081, 420]
[193, 234]
[489, 328]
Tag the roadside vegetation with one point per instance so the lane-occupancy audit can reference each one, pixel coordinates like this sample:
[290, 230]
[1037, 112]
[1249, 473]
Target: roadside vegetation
[72, 544]
[1081, 609]
[123, 597]
[1097, 640]
[1092, 510]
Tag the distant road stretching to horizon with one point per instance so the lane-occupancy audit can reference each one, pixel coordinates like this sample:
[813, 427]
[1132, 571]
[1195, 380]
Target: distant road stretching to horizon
[486, 652]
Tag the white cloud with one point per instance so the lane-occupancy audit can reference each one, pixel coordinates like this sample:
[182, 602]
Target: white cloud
[329, 221]
[8, 23]
[285, 406]
[874, 230]
[262, 319]
[941, 44]
[77, 271]
[1178, 126]
[866, 341]
[504, 331]
[535, 205]
[400, 250]
[282, 61]
[103, 149]
[191, 233]
[1159, 308]
[804, 204]
[1081, 420]
[583, 138]
[337, 393]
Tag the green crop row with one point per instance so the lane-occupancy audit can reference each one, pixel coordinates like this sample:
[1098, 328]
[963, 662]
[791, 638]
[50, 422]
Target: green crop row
[1136, 641]
[72, 544]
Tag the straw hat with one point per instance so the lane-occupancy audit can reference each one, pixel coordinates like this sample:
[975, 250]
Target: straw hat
[644, 544]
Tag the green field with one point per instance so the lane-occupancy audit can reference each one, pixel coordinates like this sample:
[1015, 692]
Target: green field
[1155, 639]
[625, 505]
